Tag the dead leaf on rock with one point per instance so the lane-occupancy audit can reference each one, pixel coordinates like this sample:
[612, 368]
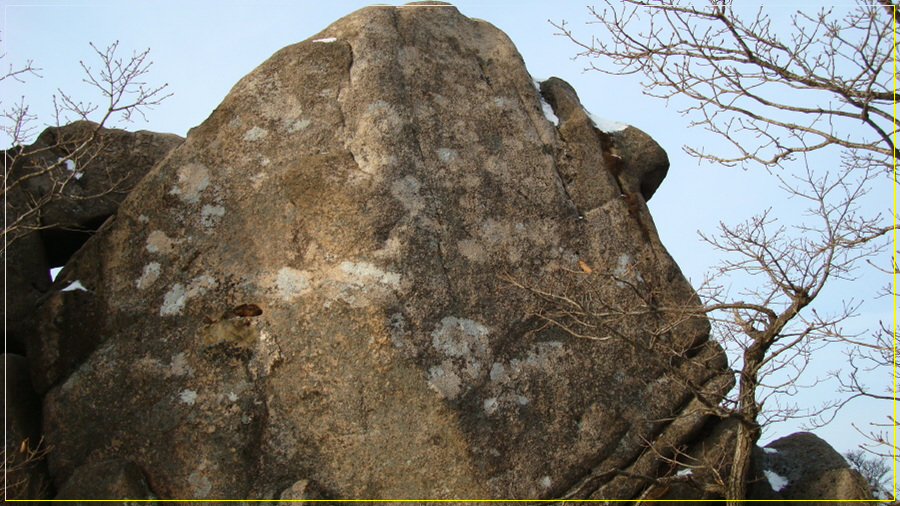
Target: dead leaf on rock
[247, 310]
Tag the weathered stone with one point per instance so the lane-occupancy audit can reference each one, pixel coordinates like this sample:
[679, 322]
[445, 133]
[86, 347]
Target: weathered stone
[637, 161]
[26, 475]
[103, 173]
[108, 480]
[300, 492]
[27, 271]
[375, 192]
[804, 467]
[54, 211]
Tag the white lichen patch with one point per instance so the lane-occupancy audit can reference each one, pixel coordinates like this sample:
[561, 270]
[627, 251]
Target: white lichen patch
[545, 482]
[465, 339]
[158, 242]
[290, 282]
[296, 125]
[179, 366]
[362, 272]
[209, 215]
[446, 155]
[460, 337]
[188, 397]
[503, 103]
[326, 40]
[193, 178]
[443, 380]
[498, 373]
[506, 378]
[255, 134]
[200, 485]
[177, 296]
[173, 301]
[490, 406]
[406, 190]
[625, 270]
[148, 276]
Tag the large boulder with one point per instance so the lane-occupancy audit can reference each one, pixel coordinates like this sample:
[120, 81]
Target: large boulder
[60, 189]
[319, 294]
[803, 466]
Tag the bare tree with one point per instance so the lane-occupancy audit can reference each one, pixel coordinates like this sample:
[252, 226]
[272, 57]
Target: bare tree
[874, 471]
[778, 91]
[867, 358]
[120, 83]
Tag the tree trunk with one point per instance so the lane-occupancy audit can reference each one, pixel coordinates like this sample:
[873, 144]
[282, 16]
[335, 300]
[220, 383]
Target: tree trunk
[736, 489]
[748, 429]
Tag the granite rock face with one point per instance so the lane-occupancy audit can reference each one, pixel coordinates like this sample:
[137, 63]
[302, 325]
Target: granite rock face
[313, 295]
[26, 476]
[803, 466]
[61, 189]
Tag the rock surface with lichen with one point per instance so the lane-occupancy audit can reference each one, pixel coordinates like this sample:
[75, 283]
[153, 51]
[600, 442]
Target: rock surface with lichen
[377, 193]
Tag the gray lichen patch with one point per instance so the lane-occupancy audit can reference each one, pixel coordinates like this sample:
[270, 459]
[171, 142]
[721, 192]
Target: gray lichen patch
[148, 276]
[192, 180]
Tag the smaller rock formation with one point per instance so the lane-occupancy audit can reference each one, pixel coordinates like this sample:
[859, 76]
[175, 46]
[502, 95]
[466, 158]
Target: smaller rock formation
[639, 163]
[802, 466]
[60, 189]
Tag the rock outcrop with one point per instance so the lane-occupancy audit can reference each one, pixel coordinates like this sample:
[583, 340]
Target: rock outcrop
[802, 466]
[60, 190]
[315, 294]
[25, 471]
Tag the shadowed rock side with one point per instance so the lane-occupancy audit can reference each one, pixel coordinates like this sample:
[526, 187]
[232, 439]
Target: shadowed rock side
[51, 213]
[309, 294]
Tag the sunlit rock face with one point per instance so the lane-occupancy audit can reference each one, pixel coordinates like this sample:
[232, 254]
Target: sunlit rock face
[315, 291]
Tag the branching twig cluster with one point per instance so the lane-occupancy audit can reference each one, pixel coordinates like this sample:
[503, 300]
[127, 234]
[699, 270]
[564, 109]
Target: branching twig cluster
[829, 82]
[121, 84]
[776, 89]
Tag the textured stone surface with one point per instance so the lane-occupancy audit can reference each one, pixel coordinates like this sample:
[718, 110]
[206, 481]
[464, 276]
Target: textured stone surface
[104, 172]
[26, 474]
[60, 208]
[805, 467]
[633, 157]
[372, 190]
[107, 480]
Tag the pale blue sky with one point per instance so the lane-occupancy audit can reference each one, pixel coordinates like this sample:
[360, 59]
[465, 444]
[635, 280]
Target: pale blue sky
[202, 51]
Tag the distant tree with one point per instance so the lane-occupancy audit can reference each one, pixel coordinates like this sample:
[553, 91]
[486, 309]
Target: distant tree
[777, 90]
[124, 94]
[874, 470]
